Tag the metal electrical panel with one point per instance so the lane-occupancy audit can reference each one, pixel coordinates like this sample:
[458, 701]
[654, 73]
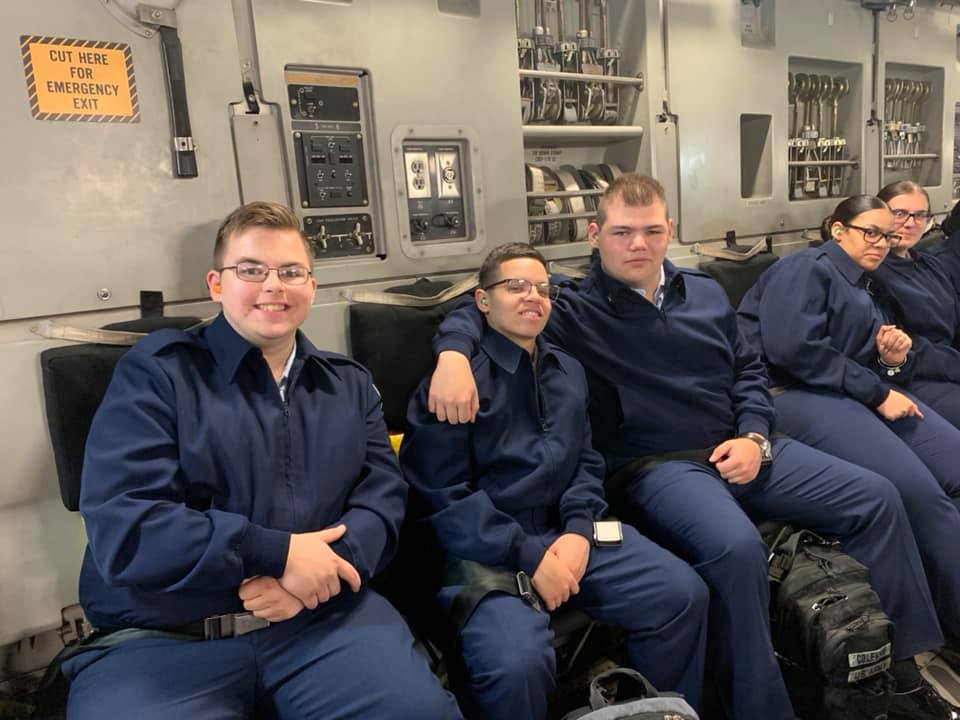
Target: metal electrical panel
[434, 191]
[439, 189]
[330, 131]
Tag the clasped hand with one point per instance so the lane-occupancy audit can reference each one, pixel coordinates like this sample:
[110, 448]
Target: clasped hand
[893, 344]
[558, 575]
[312, 576]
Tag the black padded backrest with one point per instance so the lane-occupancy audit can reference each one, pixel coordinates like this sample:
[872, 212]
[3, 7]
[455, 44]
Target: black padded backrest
[738, 277]
[75, 378]
[394, 343]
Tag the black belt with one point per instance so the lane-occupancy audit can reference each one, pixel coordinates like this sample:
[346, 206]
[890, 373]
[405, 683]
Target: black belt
[625, 473]
[218, 627]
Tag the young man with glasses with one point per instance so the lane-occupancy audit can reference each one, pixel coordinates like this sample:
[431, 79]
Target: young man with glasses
[680, 408]
[239, 491]
[520, 490]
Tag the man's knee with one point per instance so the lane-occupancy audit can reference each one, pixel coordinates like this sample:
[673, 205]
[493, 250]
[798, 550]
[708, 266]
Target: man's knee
[881, 499]
[686, 597]
[519, 661]
[740, 554]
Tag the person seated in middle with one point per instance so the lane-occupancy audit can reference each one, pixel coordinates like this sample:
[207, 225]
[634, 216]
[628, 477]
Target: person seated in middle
[520, 490]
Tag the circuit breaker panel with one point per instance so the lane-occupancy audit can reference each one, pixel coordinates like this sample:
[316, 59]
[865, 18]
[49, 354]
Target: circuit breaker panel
[330, 132]
[434, 181]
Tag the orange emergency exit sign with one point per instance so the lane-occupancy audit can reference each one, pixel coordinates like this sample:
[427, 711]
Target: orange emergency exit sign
[84, 80]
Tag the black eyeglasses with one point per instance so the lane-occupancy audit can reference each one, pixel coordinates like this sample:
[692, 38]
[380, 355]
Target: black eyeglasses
[873, 236]
[258, 272]
[519, 286]
[921, 217]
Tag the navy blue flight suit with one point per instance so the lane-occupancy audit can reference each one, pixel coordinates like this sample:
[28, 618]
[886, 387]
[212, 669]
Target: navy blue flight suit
[948, 253]
[814, 317]
[196, 474]
[500, 491]
[927, 306]
[682, 377]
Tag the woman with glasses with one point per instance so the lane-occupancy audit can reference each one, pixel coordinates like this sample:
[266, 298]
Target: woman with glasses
[841, 375]
[929, 307]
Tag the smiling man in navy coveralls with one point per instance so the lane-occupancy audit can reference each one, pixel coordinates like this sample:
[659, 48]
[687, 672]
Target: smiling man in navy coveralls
[669, 372]
[239, 484]
[520, 490]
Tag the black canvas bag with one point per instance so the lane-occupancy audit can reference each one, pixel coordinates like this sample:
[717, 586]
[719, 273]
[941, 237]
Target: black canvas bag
[826, 619]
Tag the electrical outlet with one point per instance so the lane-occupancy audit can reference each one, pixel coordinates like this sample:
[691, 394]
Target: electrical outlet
[448, 174]
[418, 177]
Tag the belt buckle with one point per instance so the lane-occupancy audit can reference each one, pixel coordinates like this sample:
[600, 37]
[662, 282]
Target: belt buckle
[525, 590]
[232, 625]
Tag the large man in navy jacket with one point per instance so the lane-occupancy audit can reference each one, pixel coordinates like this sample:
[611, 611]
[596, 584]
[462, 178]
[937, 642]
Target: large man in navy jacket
[674, 384]
[236, 481]
[519, 490]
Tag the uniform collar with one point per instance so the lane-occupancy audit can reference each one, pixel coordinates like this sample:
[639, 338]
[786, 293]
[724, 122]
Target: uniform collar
[230, 349]
[613, 289]
[844, 263]
[506, 353]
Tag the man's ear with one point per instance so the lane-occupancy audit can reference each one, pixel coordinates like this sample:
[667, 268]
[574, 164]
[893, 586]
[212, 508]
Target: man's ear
[482, 299]
[592, 231]
[213, 285]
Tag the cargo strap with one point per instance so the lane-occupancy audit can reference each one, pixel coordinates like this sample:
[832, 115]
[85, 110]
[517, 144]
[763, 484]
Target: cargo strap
[53, 330]
[402, 299]
[725, 252]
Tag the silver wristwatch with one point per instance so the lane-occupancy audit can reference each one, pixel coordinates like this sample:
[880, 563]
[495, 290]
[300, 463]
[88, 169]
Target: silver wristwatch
[766, 450]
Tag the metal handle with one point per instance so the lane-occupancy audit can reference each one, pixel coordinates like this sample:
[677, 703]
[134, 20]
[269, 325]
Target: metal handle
[184, 152]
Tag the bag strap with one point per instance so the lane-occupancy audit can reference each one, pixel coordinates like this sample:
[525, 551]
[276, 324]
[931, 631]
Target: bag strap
[619, 684]
[480, 580]
[783, 554]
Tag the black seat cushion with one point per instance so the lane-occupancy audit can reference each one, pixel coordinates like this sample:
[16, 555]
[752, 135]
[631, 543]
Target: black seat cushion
[738, 277]
[75, 378]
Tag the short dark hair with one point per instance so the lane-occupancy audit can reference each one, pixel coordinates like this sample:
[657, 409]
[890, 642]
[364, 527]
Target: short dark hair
[848, 210]
[634, 190]
[256, 214]
[902, 187]
[501, 254]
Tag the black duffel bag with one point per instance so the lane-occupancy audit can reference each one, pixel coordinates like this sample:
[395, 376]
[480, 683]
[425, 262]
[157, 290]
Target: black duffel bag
[826, 619]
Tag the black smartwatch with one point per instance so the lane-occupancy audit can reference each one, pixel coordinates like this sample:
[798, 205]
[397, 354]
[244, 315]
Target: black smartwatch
[766, 450]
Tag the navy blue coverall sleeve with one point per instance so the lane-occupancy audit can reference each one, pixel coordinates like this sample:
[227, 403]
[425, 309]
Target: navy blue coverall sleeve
[935, 361]
[795, 333]
[436, 459]
[583, 501]
[134, 497]
[460, 330]
[752, 404]
[376, 505]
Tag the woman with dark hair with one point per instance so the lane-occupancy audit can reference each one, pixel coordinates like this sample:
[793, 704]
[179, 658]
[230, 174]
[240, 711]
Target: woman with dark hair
[839, 370]
[926, 301]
